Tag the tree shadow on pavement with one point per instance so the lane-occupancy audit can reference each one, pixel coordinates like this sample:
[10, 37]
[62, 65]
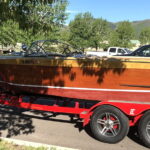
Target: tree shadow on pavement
[16, 121]
[13, 123]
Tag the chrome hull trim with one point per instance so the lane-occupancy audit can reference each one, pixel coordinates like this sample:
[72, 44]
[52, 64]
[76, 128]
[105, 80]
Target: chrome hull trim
[75, 88]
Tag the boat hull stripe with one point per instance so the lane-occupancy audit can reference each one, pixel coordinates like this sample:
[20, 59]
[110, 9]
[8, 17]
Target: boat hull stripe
[75, 88]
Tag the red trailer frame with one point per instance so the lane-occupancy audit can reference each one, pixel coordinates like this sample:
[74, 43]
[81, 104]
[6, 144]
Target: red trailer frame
[132, 112]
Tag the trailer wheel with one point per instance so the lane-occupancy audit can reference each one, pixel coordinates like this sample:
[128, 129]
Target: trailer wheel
[108, 124]
[144, 129]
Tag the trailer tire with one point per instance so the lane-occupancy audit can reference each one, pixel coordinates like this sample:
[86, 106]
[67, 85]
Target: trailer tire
[108, 124]
[144, 129]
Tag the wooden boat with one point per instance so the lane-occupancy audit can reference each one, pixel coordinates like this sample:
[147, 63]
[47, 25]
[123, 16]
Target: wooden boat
[89, 78]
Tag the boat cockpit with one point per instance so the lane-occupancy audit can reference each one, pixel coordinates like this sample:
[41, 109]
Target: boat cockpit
[51, 48]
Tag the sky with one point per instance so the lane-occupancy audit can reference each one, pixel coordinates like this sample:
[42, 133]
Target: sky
[111, 10]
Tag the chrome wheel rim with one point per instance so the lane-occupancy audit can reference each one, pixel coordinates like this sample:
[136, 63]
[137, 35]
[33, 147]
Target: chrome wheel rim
[108, 124]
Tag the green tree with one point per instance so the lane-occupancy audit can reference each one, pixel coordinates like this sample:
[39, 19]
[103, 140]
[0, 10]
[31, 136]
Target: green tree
[81, 30]
[122, 35]
[145, 36]
[36, 18]
[10, 33]
[64, 34]
[100, 33]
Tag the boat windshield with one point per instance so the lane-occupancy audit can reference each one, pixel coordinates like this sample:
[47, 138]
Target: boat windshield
[52, 48]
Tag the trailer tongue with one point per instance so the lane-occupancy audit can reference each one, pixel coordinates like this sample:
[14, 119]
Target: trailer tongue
[109, 120]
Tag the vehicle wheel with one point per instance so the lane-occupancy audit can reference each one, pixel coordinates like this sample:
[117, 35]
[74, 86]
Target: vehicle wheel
[144, 129]
[108, 124]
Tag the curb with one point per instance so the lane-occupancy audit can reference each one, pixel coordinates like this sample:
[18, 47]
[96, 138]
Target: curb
[34, 144]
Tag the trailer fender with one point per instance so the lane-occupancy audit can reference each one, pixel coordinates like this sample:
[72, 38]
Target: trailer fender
[133, 110]
[129, 108]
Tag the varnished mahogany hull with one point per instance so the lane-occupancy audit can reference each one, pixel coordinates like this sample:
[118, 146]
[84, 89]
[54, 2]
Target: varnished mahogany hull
[109, 79]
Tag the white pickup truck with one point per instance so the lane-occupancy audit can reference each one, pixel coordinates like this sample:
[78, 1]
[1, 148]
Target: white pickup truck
[110, 52]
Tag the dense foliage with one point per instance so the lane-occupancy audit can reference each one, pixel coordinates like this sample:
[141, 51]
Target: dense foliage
[24, 21]
[10, 33]
[100, 33]
[86, 31]
[122, 35]
[81, 30]
[36, 19]
[145, 36]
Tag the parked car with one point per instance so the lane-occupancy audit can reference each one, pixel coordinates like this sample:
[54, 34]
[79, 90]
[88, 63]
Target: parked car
[110, 52]
[118, 51]
[143, 51]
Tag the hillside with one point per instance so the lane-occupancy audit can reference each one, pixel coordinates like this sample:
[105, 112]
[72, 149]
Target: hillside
[137, 25]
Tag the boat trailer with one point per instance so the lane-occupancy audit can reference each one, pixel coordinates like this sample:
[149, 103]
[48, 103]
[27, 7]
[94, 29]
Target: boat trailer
[109, 120]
